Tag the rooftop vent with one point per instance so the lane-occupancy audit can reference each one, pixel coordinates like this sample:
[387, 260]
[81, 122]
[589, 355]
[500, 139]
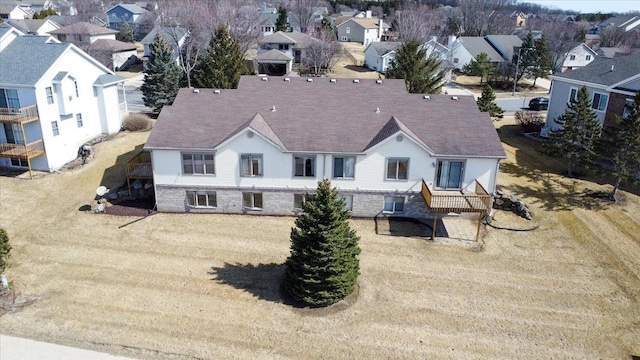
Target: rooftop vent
[378, 81]
[216, 91]
[427, 97]
[287, 79]
[273, 108]
[356, 81]
[612, 67]
[454, 98]
[196, 91]
[332, 81]
[265, 79]
[309, 80]
[377, 110]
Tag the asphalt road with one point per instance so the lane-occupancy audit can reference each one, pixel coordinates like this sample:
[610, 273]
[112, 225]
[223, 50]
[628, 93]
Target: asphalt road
[515, 104]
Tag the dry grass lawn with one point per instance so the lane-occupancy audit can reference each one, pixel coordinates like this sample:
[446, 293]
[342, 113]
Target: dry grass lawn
[178, 286]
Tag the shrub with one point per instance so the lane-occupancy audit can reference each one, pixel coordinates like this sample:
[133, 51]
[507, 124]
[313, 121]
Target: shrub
[137, 122]
[530, 121]
[4, 249]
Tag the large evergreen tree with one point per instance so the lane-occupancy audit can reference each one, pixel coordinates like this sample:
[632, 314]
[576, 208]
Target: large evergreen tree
[481, 66]
[419, 72]
[323, 266]
[577, 133]
[162, 76]
[5, 248]
[621, 144]
[486, 103]
[542, 65]
[282, 23]
[222, 64]
[525, 59]
[125, 32]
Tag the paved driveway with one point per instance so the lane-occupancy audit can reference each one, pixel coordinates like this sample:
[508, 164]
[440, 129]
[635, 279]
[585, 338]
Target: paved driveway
[13, 348]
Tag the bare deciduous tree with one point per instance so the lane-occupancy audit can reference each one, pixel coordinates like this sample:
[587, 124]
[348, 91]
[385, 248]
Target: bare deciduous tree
[412, 23]
[302, 12]
[322, 52]
[87, 10]
[612, 36]
[483, 17]
[561, 36]
[243, 21]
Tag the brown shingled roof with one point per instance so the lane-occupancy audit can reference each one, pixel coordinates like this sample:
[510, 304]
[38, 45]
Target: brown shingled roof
[321, 116]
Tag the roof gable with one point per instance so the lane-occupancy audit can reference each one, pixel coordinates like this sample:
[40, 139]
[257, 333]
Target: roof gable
[132, 8]
[277, 38]
[392, 127]
[259, 126]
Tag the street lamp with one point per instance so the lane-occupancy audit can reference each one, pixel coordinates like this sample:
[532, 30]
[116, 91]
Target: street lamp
[515, 79]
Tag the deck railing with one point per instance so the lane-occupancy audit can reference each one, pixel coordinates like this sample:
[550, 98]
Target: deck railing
[457, 202]
[139, 167]
[22, 151]
[21, 115]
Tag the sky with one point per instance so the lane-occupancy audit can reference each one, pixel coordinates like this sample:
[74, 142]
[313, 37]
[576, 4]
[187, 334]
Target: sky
[591, 6]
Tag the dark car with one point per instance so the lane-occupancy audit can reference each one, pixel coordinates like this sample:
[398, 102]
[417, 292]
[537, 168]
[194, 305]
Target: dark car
[539, 103]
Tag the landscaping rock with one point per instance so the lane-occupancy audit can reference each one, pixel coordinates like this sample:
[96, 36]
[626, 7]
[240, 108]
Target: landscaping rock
[511, 203]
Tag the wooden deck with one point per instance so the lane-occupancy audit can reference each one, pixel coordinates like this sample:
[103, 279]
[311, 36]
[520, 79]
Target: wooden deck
[21, 151]
[19, 116]
[139, 168]
[454, 202]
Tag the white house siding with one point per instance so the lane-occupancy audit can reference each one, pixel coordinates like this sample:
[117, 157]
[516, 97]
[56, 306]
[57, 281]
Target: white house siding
[559, 99]
[463, 57]
[580, 53]
[278, 185]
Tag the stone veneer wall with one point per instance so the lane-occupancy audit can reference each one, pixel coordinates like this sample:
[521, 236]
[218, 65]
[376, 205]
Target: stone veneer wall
[280, 202]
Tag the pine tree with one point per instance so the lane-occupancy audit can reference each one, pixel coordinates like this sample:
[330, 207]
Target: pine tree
[125, 32]
[420, 73]
[542, 64]
[282, 23]
[323, 266]
[162, 76]
[486, 103]
[525, 59]
[5, 248]
[481, 66]
[222, 64]
[621, 144]
[576, 136]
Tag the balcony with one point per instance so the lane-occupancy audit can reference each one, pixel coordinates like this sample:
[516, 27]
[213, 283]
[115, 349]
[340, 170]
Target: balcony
[139, 167]
[457, 202]
[22, 115]
[22, 151]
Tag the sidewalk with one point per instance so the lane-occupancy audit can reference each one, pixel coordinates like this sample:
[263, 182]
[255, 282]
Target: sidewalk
[13, 348]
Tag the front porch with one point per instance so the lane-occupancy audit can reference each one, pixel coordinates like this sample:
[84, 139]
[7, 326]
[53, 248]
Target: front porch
[16, 145]
[478, 201]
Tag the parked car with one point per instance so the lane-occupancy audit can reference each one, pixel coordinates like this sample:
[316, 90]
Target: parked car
[539, 103]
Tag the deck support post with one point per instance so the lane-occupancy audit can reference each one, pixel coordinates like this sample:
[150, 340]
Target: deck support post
[479, 223]
[435, 223]
[26, 150]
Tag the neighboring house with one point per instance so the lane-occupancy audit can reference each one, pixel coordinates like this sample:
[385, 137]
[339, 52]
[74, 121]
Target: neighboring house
[364, 30]
[579, 56]
[259, 148]
[505, 45]
[625, 22]
[442, 53]
[65, 99]
[269, 17]
[130, 13]
[519, 17]
[10, 9]
[378, 55]
[613, 52]
[33, 26]
[175, 36]
[279, 51]
[467, 48]
[99, 42]
[612, 83]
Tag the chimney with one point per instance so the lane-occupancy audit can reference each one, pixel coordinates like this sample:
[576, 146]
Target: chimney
[368, 14]
[450, 40]
[434, 38]
[380, 31]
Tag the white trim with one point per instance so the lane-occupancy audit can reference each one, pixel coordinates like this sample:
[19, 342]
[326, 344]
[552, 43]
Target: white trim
[393, 136]
[242, 132]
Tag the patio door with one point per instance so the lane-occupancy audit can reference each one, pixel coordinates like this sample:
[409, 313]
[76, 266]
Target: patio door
[9, 99]
[449, 174]
[13, 132]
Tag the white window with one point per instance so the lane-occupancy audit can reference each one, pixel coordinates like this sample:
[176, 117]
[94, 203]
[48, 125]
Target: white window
[49, 91]
[348, 202]
[252, 200]
[54, 128]
[394, 203]
[397, 168]
[572, 57]
[573, 94]
[298, 201]
[304, 166]
[251, 165]
[628, 104]
[588, 57]
[202, 164]
[79, 120]
[599, 101]
[202, 199]
[348, 30]
[344, 167]
[449, 174]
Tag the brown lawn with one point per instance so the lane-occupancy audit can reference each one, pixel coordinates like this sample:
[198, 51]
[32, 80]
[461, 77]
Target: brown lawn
[176, 286]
